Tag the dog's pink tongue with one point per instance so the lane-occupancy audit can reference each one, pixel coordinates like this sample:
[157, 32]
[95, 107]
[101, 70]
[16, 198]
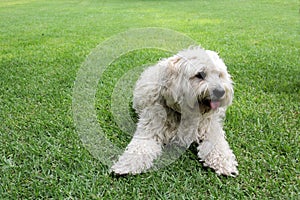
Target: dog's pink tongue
[214, 104]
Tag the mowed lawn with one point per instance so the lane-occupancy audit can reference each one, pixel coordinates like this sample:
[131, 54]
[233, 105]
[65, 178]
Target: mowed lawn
[43, 45]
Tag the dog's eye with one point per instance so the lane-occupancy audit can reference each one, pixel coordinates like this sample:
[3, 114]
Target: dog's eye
[200, 75]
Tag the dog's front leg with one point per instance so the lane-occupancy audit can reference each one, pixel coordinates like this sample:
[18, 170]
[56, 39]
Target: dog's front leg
[146, 144]
[214, 150]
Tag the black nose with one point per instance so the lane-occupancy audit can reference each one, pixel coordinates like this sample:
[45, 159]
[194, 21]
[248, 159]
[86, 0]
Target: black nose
[218, 93]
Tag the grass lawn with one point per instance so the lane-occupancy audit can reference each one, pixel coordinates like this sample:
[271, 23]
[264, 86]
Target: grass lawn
[43, 45]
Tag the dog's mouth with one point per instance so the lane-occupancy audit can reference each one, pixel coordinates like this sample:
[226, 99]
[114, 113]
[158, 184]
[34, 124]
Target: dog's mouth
[214, 104]
[210, 104]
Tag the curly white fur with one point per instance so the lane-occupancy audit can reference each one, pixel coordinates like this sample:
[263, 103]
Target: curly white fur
[181, 100]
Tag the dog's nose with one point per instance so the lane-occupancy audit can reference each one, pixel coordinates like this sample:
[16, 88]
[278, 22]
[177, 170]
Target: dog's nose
[219, 92]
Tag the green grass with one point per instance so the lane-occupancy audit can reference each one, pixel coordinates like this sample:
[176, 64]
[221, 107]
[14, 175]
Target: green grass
[44, 43]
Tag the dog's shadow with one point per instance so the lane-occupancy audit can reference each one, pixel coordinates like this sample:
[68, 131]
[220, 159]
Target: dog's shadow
[134, 116]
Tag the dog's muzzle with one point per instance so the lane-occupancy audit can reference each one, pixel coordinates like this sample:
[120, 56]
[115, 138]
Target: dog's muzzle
[214, 100]
[216, 95]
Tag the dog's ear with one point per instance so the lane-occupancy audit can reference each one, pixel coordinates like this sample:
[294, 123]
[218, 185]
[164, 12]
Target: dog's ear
[229, 93]
[172, 65]
[170, 81]
[174, 60]
[177, 89]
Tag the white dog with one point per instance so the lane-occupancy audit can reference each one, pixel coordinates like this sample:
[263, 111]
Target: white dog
[181, 100]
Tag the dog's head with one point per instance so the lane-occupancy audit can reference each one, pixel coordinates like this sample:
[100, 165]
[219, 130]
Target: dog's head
[198, 77]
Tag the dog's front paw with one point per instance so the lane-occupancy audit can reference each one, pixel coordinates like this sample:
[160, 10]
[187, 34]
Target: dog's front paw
[223, 165]
[130, 163]
[227, 168]
[138, 156]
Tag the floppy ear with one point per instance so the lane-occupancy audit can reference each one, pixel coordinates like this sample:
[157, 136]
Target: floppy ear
[170, 81]
[177, 91]
[229, 93]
